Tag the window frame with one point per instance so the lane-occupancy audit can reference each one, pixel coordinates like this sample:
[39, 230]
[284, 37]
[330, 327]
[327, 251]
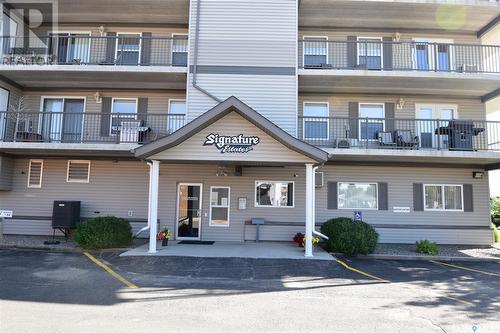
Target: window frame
[28, 185]
[359, 42]
[172, 47]
[136, 99]
[257, 205]
[443, 194]
[360, 119]
[218, 206]
[358, 183]
[327, 120]
[139, 51]
[178, 114]
[78, 180]
[304, 39]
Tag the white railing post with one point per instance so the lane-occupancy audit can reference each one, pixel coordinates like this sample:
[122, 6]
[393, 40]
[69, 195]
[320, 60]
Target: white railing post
[309, 210]
[154, 175]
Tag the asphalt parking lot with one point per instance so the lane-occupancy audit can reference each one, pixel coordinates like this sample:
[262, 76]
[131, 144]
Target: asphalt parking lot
[68, 292]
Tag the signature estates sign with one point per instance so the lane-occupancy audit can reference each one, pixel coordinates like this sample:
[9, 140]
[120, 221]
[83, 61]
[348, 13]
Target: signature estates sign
[238, 144]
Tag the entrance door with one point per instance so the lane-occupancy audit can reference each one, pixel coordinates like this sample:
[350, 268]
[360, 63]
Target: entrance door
[430, 117]
[62, 119]
[4, 103]
[189, 211]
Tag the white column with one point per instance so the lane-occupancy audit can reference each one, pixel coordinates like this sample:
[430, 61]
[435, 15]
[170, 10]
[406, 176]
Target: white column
[309, 210]
[154, 175]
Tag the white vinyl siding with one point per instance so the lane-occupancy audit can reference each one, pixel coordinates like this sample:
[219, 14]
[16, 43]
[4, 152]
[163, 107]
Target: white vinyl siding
[443, 197]
[357, 196]
[78, 171]
[35, 174]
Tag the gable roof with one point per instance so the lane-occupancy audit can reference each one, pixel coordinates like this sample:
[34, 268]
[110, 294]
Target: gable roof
[232, 104]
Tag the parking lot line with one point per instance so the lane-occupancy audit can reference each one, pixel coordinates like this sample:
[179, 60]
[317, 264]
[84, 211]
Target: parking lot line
[110, 271]
[360, 272]
[464, 268]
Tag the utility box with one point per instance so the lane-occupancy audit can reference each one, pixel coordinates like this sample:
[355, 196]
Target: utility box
[65, 214]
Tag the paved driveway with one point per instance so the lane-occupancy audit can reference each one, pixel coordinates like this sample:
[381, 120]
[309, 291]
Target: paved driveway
[50, 292]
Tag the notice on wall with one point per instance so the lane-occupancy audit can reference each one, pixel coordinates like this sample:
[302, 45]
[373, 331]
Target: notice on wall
[358, 216]
[400, 209]
[242, 203]
[6, 213]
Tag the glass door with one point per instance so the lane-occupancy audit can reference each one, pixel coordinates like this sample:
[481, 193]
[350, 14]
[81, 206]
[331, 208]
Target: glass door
[62, 119]
[4, 103]
[189, 211]
[72, 120]
[431, 119]
[70, 48]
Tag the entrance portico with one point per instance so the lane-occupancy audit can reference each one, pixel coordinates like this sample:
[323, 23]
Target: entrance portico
[232, 137]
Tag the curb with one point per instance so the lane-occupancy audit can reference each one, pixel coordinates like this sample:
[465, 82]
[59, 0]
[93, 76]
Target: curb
[40, 248]
[417, 258]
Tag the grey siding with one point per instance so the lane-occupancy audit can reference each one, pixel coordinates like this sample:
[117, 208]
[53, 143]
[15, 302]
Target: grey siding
[6, 173]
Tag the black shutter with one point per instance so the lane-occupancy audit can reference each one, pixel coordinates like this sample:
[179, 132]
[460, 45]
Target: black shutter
[353, 120]
[332, 195]
[289, 201]
[142, 109]
[110, 48]
[146, 49]
[387, 52]
[418, 197]
[389, 116]
[105, 116]
[468, 198]
[352, 52]
[383, 196]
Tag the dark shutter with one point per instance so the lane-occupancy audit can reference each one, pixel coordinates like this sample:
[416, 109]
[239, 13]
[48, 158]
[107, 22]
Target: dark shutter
[105, 116]
[383, 199]
[468, 198]
[110, 48]
[387, 52]
[389, 116]
[331, 195]
[146, 49]
[353, 120]
[142, 109]
[290, 195]
[418, 197]
[352, 51]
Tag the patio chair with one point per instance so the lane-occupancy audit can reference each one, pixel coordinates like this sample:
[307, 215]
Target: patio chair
[385, 139]
[406, 139]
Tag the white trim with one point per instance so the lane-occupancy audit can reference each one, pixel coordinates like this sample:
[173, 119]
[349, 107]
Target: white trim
[140, 47]
[78, 180]
[177, 211]
[360, 119]
[28, 185]
[304, 39]
[381, 50]
[42, 104]
[256, 205]
[228, 207]
[327, 121]
[357, 183]
[443, 198]
[172, 46]
[176, 100]
[136, 99]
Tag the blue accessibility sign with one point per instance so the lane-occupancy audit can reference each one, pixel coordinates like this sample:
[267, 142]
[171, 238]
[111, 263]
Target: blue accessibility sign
[358, 216]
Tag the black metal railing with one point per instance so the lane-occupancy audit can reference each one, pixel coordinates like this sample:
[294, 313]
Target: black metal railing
[390, 133]
[87, 127]
[83, 49]
[401, 56]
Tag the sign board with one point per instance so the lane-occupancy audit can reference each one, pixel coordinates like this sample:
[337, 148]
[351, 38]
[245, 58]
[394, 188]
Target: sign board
[238, 144]
[358, 216]
[400, 209]
[242, 203]
[6, 213]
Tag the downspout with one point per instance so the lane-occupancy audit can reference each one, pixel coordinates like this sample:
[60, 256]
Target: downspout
[149, 204]
[195, 55]
[317, 233]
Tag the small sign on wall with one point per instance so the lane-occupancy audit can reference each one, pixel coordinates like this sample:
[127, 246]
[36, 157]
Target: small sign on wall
[6, 213]
[400, 209]
[358, 216]
[242, 203]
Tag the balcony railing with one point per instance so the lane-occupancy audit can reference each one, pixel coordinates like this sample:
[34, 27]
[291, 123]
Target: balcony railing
[400, 56]
[81, 49]
[87, 127]
[389, 133]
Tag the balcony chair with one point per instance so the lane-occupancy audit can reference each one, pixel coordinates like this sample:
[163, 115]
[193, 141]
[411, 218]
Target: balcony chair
[385, 139]
[406, 139]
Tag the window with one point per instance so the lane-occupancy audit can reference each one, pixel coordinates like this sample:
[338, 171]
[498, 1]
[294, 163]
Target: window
[179, 50]
[371, 120]
[357, 196]
[176, 114]
[219, 206]
[123, 110]
[78, 171]
[370, 52]
[315, 51]
[315, 124]
[69, 48]
[443, 197]
[128, 49]
[273, 194]
[61, 121]
[35, 174]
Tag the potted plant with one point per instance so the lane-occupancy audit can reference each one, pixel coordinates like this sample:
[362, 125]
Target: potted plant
[300, 238]
[164, 236]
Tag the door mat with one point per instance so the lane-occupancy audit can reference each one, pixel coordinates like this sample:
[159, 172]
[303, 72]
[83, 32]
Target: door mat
[195, 242]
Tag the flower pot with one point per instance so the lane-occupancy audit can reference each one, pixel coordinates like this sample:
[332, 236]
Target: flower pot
[164, 242]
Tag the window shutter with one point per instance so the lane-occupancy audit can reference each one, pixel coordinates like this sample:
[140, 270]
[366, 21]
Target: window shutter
[353, 120]
[142, 109]
[383, 196]
[352, 52]
[105, 116]
[110, 48]
[387, 52]
[35, 174]
[468, 198]
[318, 179]
[78, 171]
[290, 195]
[146, 49]
[418, 197]
[332, 195]
[389, 116]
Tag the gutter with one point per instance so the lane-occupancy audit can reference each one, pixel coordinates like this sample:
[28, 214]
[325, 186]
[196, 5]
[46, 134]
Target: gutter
[317, 233]
[149, 204]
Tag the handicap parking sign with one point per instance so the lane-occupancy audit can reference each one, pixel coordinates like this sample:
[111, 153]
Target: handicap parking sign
[358, 216]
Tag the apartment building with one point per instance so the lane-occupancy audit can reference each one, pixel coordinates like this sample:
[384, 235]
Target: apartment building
[203, 115]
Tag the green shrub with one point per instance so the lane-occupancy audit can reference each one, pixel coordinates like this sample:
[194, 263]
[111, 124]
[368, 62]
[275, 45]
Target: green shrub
[104, 232]
[496, 233]
[349, 237]
[495, 206]
[427, 247]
